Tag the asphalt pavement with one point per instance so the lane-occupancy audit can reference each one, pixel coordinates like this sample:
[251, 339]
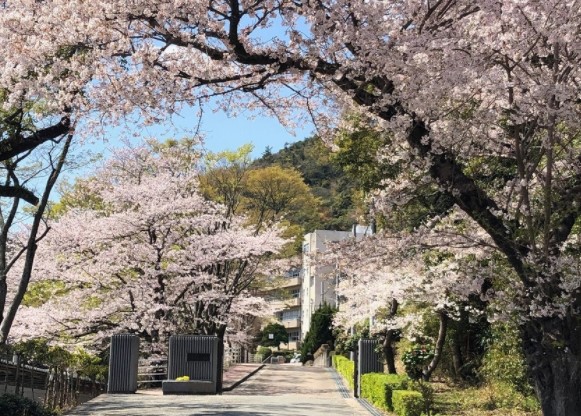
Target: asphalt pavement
[273, 390]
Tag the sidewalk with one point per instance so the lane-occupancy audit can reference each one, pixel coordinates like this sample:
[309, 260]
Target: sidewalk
[276, 390]
[232, 377]
[239, 373]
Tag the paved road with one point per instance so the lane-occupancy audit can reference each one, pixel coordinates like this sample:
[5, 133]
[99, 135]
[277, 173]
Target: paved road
[276, 390]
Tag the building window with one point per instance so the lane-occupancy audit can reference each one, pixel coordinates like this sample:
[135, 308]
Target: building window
[296, 293]
[294, 272]
[294, 336]
[290, 314]
[306, 247]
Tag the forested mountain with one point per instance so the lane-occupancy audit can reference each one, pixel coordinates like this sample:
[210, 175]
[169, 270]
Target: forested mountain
[338, 191]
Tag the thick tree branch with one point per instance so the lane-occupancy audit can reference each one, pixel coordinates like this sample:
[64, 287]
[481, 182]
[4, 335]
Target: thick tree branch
[15, 145]
[18, 192]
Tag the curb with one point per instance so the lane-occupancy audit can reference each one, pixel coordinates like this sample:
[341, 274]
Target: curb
[243, 379]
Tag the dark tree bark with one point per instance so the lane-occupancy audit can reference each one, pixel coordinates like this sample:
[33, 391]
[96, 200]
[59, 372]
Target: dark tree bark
[29, 251]
[388, 340]
[388, 352]
[427, 373]
[456, 350]
[552, 351]
[18, 144]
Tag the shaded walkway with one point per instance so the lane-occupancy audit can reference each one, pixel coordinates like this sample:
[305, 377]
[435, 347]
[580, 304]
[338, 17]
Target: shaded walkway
[275, 390]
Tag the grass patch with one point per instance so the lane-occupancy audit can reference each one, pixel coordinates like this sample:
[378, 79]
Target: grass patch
[488, 400]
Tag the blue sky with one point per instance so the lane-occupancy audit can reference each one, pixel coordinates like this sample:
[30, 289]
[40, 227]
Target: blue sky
[223, 132]
[220, 131]
[227, 133]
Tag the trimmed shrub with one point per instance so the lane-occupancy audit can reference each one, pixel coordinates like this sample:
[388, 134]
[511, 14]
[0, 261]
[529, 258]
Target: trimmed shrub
[264, 351]
[407, 403]
[427, 392]
[20, 406]
[378, 387]
[346, 368]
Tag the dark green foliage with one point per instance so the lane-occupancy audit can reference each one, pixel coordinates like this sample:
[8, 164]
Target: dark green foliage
[466, 342]
[278, 332]
[504, 361]
[320, 331]
[346, 342]
[408, 403]
[11, 405]
[37, 352]
[346, 368]
[357, 154]
[378, 388]
[264, 351]
[427, 392]
[326, 178]
[416, 358]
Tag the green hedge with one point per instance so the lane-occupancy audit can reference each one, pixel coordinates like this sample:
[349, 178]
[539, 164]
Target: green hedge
[408, 403]
[11, 405]
[377, 388]
[346, 368]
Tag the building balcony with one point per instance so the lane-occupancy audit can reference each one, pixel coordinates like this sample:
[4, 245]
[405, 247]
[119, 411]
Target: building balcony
[292, 302]
[290, 282]
[292, 323]
[283, 284]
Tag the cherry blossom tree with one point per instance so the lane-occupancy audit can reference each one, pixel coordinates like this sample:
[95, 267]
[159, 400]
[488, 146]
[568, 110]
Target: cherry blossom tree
[432, 269]
[482, 98]
[26, 177]
[148, 256]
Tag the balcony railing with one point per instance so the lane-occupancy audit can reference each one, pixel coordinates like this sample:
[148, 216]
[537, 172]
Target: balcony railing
[289, 282]
[291, 323]
[293, 302]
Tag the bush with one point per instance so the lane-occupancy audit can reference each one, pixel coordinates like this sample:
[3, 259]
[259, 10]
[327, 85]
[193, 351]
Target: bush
[427, 392]
[416, 358]
[265, 352]
[504, 361]
[20, 406]
[346, 368]
[286, 354]
[378, 388]
[408, 403]
[500, 395]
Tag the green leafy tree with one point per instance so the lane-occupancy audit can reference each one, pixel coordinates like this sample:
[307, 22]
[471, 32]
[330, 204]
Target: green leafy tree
[265, 194]
[357, 154]
[224, 176]
[320, 332]
[273, 334]
[326, 179]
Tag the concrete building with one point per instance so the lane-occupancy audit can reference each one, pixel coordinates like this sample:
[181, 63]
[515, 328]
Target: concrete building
[319, 282]
[285, 298]
[299, 293]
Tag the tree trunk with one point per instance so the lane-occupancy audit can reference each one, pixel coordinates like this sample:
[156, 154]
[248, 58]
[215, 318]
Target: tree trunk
[439, 347]
[388, 352]
[457, 359]
[552, 349]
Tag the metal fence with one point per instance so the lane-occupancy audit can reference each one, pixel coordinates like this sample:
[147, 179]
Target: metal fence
[368, 360]
[53, 387]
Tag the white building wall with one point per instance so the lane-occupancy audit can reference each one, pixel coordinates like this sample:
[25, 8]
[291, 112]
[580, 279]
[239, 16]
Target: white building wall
[318, 284]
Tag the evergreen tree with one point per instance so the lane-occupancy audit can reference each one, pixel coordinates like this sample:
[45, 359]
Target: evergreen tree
[320, 332]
